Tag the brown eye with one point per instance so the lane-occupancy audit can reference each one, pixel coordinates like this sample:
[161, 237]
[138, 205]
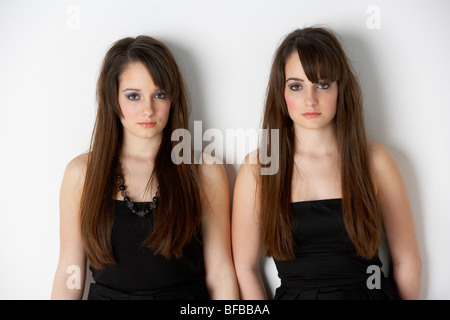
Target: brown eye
[323, 85]
[133, 96]
[160, 95]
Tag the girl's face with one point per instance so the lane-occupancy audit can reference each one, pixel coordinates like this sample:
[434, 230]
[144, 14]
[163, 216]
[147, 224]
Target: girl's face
[145, 107]
[310, 105]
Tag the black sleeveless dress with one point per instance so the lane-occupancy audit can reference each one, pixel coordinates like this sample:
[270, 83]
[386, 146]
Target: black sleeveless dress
[326, 266]
[142, 274]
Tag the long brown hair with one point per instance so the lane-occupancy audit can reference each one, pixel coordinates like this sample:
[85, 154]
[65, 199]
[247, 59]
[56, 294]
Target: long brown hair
[322, 58]
[178, 215]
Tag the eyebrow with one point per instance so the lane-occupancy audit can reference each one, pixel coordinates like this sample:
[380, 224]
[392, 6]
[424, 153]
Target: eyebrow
[139, 90]
[295, 79]
[131, 89]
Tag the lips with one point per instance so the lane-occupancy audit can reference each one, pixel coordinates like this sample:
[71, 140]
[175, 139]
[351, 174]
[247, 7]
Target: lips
[147, 124]
[311, 115]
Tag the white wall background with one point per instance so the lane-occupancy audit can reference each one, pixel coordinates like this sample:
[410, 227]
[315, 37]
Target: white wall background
[50, 55]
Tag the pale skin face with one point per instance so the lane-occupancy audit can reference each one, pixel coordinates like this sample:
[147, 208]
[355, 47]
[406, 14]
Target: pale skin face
[145, 107]
[145, 111]
[312, 108]
[310, 105]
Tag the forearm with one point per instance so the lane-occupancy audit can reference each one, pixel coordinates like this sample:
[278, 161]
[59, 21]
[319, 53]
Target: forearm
[223, 286]
[69, 280]
[251, 286]
[408, 278]
[65, 288]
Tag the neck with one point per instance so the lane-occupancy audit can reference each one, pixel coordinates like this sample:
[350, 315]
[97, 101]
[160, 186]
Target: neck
[315, 142]
[140, 148]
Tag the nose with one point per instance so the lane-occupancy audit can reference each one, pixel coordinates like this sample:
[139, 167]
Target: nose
[147, 108]
[310, 97]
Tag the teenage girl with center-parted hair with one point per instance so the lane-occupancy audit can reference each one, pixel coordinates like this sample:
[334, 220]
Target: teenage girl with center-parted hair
[149, 228]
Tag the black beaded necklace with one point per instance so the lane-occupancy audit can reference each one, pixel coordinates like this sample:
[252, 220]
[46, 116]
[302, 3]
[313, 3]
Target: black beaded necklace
[148, 208]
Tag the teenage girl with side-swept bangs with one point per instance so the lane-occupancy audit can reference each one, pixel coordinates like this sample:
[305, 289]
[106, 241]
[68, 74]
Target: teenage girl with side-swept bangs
[322, 214]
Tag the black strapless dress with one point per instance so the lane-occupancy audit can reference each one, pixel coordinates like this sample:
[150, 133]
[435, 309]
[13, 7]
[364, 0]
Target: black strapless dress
[326, 266]
[142, 274]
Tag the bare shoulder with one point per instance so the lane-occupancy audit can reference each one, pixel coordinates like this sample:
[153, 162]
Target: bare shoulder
[250, 164]
[79, 162]
[384, 168]
[379, 155]
[251, 158]
[248, 175]
[210, 168]
[72, 187]
[245, 194]
[214, 184]
[75, 172]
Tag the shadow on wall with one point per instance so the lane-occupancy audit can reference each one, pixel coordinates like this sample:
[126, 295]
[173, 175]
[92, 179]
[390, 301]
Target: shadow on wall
[376, 114]
[410, 176]
[189, 67]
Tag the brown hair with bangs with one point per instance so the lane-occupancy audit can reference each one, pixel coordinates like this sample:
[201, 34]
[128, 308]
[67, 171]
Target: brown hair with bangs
[177, 221]
[322, 58]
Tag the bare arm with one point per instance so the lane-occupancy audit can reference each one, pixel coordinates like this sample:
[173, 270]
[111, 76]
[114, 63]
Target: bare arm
[70, 273]
[220, 275]
[246, 233]
[398, 222]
